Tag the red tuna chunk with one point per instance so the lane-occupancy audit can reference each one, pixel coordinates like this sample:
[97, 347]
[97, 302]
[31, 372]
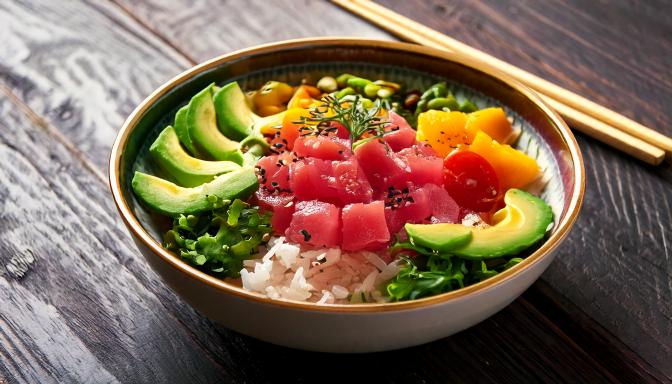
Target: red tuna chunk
[403, 136]
[351, 183]
[316, 224]
[444, 208]
[280, 204]
[322, 147]
[364, 226]
[312, 179]
[413, 207]
[273, 171]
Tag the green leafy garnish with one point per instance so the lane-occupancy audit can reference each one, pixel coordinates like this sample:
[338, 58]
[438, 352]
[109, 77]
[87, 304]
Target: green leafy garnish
[358, 119]
[432, 272]
[218, 241]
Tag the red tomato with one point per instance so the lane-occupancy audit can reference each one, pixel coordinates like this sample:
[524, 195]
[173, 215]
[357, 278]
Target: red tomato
[470, 180]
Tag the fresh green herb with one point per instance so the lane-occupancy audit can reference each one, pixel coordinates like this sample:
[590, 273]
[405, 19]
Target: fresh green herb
[363, 123]
[218, 241]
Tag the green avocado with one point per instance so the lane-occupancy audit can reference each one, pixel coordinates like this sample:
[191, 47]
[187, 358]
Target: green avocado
[234, 116]
[442, 237]
[182, 130]
[520, 224]
[188, 171]
[172, 200]
[203, 131]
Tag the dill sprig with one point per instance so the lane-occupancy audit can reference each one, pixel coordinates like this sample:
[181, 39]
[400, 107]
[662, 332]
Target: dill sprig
[357, 119]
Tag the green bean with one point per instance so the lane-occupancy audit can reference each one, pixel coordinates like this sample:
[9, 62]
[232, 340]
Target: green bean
[440, 89]
[345, 92]
[421, 106]
[468, 107]
[342, 80]
[370, 90]
[443, 102]
[358, 82]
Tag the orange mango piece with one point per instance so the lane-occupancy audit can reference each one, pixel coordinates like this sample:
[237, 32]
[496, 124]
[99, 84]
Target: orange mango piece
[304, 97]
[444, 131]
[290, 127]
[492, 121]
[514, 169]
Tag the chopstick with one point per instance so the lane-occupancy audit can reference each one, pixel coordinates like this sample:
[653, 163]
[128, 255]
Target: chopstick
[584, 115]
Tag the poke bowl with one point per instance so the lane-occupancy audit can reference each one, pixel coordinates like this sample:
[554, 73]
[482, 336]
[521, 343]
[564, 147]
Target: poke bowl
[326, 193]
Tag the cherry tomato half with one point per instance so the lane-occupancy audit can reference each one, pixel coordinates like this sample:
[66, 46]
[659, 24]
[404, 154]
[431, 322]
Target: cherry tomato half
[470, 180]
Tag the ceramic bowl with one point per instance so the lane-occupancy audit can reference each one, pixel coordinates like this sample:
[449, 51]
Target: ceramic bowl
[360, 327]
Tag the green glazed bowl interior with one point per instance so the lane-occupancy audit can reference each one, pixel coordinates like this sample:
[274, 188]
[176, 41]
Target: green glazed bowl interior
[544, 136]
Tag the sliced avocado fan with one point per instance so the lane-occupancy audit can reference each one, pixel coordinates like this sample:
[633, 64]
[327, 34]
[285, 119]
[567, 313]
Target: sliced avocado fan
[172, 200]
[234, 116]
[182, 130]
[520, 224]
[188, 171]
[202, 125]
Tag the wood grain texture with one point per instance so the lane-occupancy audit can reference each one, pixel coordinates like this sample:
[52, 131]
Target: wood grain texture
[616, 263]
[88, 309]
[203, 29]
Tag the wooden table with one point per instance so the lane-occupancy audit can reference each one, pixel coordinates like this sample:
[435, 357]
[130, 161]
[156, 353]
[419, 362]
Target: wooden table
[79, 304]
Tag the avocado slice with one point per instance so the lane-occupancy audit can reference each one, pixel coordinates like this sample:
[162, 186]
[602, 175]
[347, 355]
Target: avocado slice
[182, 130]
[442, 237]
[172, 200]
[234, 116]
[203, 131]
[520, 224]
[188, 171]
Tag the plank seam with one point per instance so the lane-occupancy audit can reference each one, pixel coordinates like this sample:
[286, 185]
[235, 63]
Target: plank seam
[154, 32]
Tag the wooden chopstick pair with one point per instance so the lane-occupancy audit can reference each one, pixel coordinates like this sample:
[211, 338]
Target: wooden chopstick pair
[584, 115]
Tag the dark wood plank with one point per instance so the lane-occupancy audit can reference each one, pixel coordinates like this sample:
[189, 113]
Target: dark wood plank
[76, 303]
[204, 29]
[616, 264]
[74, 65]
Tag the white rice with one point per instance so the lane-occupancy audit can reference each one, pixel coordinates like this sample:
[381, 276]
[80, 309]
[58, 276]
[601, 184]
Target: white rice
[325, 276]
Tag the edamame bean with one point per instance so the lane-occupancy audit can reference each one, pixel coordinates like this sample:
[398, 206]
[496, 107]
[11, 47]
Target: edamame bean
[468, 107]
[370, 90]
[327, 84]
[344, 92]
[443, 102]
[342, 80]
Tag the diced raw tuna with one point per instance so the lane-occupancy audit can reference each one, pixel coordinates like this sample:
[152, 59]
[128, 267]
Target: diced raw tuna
[273, 171]
[377, 162]
[341, 131]
[414, 207]
[322, 147]
[444, 208]
[403, 135]
[423, 167]
[351, 183]
[280, 204]
[316, 224]
[364, 226]
[313, 179]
